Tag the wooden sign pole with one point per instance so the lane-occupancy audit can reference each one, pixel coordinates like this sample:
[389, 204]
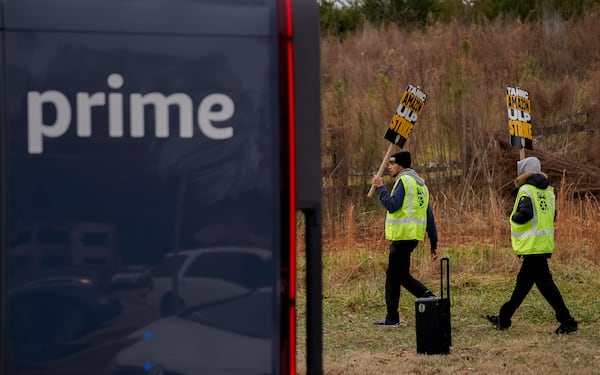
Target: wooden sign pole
[382, 168]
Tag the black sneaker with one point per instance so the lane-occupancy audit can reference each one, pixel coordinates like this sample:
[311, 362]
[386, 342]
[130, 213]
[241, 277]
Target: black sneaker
[567, 327]
[428, 294]
[495, 320]
[387, 322]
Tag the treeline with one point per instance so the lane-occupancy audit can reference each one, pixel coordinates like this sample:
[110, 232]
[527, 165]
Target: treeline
[340, 17]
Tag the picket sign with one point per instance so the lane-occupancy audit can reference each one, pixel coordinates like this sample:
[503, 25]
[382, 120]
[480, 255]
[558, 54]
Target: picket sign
[402, 123]
[518, 105]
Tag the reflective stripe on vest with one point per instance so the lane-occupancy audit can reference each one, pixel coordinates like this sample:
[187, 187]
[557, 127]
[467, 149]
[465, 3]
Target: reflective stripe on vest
[537, 235]
[410, 220]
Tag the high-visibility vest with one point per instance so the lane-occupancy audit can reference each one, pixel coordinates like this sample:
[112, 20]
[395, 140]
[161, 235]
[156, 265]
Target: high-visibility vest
[409, 221]
[537, 235]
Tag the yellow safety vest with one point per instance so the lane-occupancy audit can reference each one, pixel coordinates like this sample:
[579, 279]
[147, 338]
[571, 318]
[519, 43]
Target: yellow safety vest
[537, 235]
[409, 221]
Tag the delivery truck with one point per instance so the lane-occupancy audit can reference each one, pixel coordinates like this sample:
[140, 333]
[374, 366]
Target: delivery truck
[163, 128]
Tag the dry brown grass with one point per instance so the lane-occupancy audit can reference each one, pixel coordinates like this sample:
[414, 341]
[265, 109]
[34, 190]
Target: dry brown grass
[484, 224]
[464, 70]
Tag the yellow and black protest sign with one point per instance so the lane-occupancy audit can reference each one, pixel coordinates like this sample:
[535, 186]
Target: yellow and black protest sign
[406, 115]
[518, 106]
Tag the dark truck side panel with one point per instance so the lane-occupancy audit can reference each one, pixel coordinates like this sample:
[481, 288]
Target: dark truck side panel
[143, 185]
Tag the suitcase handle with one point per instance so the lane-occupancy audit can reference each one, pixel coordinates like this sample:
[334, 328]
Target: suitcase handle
[446, 261]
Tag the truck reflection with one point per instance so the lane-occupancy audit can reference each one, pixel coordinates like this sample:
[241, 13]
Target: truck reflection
[81, 318]
[49, 315]
[232, 336]
[197, 276]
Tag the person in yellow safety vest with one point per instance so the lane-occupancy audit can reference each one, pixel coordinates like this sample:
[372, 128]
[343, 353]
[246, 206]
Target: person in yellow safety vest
[409, 217]
[532, 237]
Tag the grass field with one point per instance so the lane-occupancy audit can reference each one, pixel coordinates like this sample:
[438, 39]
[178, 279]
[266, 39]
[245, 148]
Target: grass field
[482, 278]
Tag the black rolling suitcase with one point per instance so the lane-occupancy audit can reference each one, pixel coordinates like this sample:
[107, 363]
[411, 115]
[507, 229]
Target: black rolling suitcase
[432, 316]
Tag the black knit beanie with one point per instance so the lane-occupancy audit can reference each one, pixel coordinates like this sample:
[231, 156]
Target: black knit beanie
[402, 158]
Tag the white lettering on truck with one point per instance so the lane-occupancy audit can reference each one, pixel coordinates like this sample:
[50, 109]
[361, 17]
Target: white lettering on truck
[213, 108]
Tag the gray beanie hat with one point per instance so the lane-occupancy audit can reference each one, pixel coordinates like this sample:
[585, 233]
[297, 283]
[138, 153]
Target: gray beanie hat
[530, 164]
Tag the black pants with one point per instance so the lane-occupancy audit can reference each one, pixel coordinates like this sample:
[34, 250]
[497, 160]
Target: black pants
[534, 270]
[398, 274]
